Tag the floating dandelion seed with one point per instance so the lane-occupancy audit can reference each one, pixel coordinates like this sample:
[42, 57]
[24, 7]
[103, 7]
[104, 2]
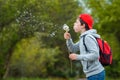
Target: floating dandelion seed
[43, 28]
[17, 20]
[52, 34]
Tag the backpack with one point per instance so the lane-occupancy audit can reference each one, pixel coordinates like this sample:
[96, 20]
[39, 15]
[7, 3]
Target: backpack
[104, 51]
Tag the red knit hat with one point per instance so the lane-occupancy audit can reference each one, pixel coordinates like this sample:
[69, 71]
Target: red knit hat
[88, 19]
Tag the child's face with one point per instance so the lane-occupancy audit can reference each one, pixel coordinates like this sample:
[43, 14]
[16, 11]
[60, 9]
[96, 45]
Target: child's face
[77, 26]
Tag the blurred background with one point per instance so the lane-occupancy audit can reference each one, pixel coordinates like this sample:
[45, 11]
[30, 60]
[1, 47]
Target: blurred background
[32, 46]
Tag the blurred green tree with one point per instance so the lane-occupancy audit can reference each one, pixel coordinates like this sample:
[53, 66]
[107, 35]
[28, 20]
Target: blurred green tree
[25, 17]
[30, 59]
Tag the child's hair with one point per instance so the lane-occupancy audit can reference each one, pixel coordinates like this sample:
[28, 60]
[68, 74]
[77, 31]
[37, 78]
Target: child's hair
[86, 25]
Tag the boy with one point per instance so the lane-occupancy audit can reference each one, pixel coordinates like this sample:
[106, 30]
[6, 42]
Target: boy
[89, 58]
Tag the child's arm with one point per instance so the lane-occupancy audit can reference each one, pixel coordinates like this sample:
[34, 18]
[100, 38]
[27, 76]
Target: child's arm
[73, 47]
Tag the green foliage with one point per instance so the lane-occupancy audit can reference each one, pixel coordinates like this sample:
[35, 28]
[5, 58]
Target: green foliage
[8, 38]
[20, 21]
[30, 59]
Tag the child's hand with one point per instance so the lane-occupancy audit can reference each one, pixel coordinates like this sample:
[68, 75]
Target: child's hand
[67, 35]
[73, 56]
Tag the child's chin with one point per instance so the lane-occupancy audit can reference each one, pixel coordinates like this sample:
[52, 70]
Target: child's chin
[76, 31]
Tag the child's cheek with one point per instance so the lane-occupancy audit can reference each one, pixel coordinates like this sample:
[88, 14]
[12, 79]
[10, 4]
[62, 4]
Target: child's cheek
[76, 28]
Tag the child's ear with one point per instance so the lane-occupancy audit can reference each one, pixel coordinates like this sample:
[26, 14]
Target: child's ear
[84, 25]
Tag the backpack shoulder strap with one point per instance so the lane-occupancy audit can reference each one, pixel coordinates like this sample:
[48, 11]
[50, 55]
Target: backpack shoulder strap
[84, 41]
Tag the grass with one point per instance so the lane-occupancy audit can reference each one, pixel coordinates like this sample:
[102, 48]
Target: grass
[37, 79]
[107, 78]
[51, 79]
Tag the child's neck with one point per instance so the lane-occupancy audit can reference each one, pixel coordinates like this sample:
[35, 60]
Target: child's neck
[83, 30]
